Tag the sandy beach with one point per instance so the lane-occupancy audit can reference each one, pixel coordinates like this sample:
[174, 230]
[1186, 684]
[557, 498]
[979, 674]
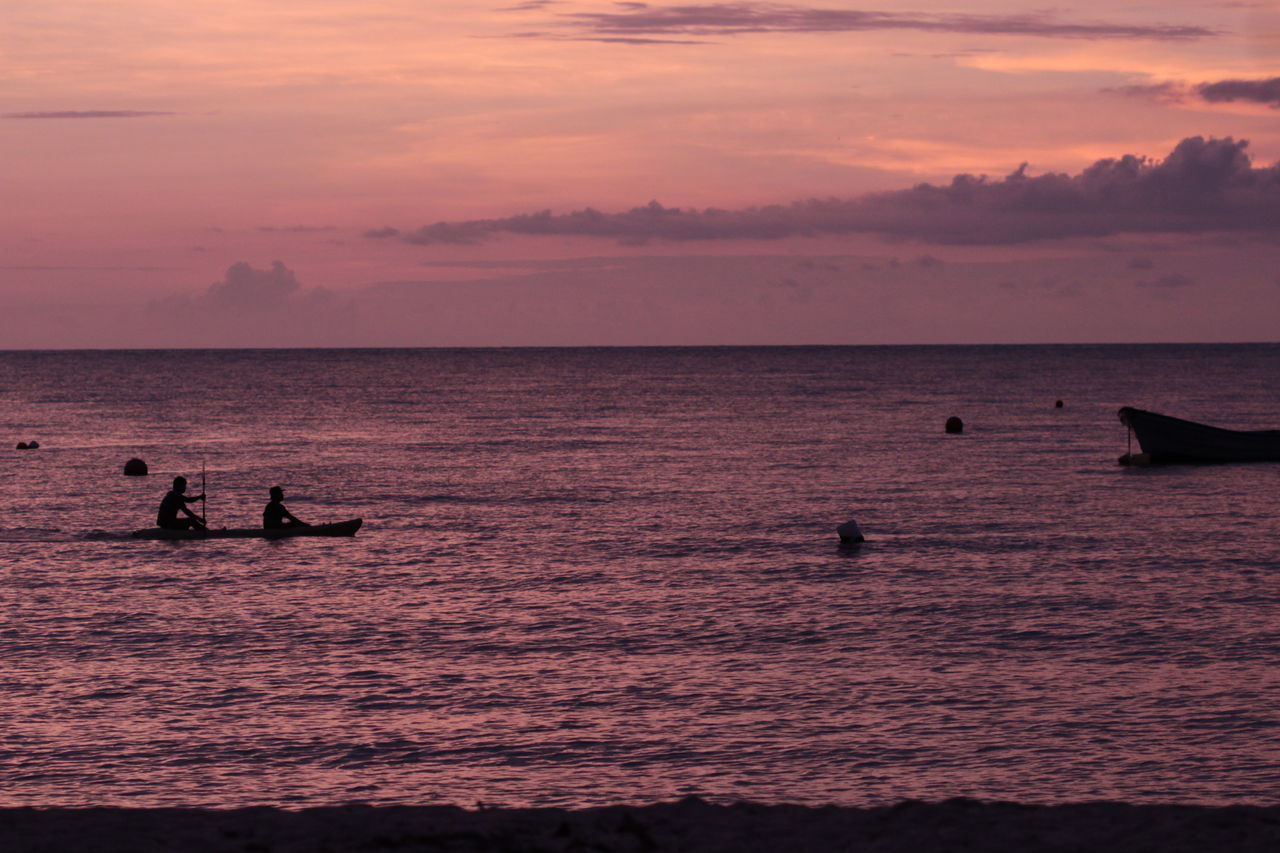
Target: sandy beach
[688, 825]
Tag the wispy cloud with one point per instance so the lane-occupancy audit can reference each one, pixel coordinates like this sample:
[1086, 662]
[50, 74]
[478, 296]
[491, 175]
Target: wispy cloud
[1168, 282]
[94, 268]
[1202, 186]
[89, 114]
[529, 6]
[642, 22]
[297, 229]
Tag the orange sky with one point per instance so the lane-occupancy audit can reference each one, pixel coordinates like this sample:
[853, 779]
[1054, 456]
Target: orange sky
[149, 146]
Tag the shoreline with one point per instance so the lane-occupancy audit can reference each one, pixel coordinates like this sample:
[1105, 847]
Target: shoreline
[690, 824]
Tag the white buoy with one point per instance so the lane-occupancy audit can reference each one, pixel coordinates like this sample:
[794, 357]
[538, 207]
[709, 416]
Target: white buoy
[850, 532]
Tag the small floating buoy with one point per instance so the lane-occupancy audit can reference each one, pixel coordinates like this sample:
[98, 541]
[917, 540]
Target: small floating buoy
[22, 445]
[1058, 405]
[850, 532]
[954, 425]
[135, 468]
[33, 445]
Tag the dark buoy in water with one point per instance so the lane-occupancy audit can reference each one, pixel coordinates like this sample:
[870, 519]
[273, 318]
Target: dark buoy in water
[33, 445]
[1058, 405]
[22, 445]
[955, 425]
[850, 533]
[135, 468]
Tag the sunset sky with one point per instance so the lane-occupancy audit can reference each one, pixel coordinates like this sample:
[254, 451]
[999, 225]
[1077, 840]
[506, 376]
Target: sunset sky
[564, 172]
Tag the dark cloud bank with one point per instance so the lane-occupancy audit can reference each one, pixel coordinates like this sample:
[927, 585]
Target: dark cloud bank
[1259, 91]
[1202, 186]
[641, 23]
[1224, 91]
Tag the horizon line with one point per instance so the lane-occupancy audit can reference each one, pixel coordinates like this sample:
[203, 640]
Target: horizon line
[16, 350]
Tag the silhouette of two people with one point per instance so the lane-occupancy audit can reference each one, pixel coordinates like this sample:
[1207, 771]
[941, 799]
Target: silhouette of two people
[274, 516]
[176, 502]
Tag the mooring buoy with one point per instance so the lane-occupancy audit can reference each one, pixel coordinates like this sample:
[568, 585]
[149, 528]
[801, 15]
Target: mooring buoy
[850, 532]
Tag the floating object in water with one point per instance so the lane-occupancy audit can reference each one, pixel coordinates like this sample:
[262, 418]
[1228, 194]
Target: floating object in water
[337, 528]
[850, 532]
[135, 468]
[1132, 459]
[1167, 439]
[22, 445]
[954, 425]
[1058, 405]
[33, 445]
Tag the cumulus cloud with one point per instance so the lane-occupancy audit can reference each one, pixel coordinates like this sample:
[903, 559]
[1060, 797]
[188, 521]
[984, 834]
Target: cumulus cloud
[89, 114]
[242, 290]
[1202, 186]
[247, 307]
[244, 287]
[1223, 91]
[642, 22]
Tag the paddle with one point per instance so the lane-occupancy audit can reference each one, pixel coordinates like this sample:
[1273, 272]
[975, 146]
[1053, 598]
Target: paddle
[204, 500]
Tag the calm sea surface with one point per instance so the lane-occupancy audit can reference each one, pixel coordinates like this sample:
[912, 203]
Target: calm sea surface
[601, 575]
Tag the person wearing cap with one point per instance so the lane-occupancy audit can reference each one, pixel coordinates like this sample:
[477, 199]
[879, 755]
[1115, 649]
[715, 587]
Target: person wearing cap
[275, 515]
[176, 501]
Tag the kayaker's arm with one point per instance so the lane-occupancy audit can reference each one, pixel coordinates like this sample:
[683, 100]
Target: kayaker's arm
[186, 500]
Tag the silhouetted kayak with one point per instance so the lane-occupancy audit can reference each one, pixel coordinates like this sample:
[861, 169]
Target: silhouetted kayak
[337, 528]
[1168, 439]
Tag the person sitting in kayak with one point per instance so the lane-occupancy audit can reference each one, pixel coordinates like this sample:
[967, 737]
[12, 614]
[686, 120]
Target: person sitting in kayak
[276, 516]
[176, 501]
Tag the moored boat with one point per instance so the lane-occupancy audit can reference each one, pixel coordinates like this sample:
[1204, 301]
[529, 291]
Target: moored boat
[337, 528]
[1166, 439]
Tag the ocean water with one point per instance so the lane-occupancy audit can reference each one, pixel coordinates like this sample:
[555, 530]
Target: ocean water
[593, 576]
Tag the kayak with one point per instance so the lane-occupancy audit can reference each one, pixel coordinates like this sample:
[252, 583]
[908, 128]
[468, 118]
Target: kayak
[337, 528]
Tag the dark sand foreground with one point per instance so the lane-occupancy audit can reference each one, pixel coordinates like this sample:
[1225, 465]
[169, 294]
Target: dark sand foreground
[690, 824]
